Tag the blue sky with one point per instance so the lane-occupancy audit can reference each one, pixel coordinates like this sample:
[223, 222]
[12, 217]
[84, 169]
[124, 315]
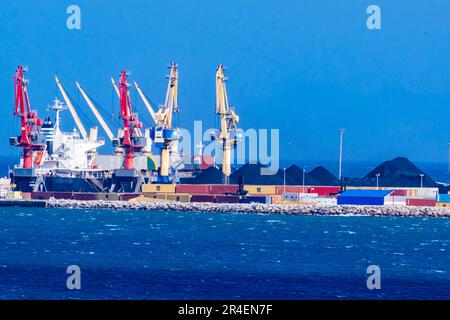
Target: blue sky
[305, 67]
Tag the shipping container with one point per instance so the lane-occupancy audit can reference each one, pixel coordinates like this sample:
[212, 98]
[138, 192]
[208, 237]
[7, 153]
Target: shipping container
[291, 189]
[107, 196]
[127, 196]
[324, 190]
[85, 196]
[179, 197]
[276, 199]
[257, 199]
[159, 188]
[400, 193]
[427, 192]
[192, 188]
[63, 195]
[264, 190]
[421, 202]
[223, 189]
[227, 199]
[307, 196]
[203, 198]
[442, 204]
[443, 198]
[26, 195]
[291, 197]
[155, 195]
[41, 195]
[14, 195]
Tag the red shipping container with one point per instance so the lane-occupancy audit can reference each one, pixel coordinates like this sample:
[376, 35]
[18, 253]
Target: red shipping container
[26, 195]
[85, 196]
[400, 193]
[324, 191]
[223, 189]
[41, 195]
[62, 195]
[291, 189]
[421, 202]
[127, 196]
[192, 188]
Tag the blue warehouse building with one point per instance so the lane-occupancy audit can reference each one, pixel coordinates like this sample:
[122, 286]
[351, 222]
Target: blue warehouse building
[364, 197]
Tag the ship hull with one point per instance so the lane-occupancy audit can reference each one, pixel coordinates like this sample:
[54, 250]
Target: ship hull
[28, 181]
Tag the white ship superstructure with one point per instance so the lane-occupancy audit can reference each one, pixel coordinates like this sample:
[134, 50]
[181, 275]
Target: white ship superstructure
[68, 150]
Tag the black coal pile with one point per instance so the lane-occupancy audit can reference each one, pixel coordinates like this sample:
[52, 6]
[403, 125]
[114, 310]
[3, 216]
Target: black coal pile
[398, 172]
[252, 175]
[294, 176]
[323, 177]
[212, 175]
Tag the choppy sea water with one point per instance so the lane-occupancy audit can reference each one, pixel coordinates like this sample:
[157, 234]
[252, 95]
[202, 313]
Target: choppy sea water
[157, 255]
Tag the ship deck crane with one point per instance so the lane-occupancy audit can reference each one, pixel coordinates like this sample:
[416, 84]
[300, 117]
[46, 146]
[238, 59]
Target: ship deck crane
[31, 138]
[72, 110]
[132, 140]
[156, 116]
[96, 113]
[163, 133]
[228, 135]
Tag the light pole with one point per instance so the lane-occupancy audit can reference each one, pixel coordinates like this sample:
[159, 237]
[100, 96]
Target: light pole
[284, 180]
[449, 163]
[303, 188]
[341, 138]
[421, 180]
[378, 175]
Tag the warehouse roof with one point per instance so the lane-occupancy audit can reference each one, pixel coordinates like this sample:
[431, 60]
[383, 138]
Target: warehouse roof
[366, 193]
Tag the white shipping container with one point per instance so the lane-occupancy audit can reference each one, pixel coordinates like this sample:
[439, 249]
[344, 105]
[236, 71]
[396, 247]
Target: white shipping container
[427, 192]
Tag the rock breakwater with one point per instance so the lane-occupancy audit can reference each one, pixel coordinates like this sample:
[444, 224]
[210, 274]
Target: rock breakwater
[291, 209]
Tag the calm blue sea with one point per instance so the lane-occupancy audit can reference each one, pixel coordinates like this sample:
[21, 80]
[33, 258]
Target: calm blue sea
[157, 255]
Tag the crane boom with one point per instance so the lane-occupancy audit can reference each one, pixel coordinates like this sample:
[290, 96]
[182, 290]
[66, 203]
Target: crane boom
[72, 110]
[171, 102]
[228, 122]
[132, 140]
[96, 113]
[115, 86]
[147, 104]
[164, 134]
[30, 138]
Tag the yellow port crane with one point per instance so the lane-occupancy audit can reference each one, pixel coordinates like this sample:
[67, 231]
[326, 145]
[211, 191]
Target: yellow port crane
[227, 135]
[163, 134]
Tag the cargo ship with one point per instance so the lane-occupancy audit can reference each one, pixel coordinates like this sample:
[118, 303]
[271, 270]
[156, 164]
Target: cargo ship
[54, 160]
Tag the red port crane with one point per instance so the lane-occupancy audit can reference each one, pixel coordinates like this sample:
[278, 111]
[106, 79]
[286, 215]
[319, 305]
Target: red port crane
[132, 140]
[30, 139]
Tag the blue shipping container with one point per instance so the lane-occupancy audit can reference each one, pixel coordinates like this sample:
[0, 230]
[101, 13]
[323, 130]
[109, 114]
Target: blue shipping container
[256, 199]
[443, 198]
